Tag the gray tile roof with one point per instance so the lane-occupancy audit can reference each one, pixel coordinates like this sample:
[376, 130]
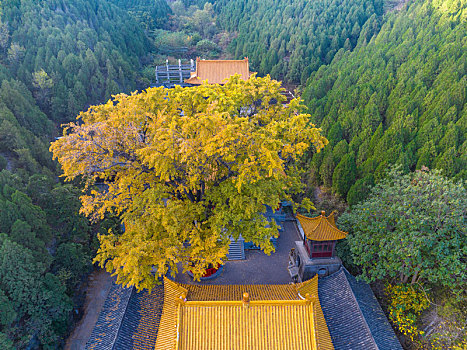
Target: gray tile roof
[354, 318]
[140, 324]
[128, 320]
[108, 324]
[380, 328]
[346, 324]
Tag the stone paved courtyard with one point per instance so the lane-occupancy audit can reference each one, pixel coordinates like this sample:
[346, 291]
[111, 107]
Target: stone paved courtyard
[257, 268]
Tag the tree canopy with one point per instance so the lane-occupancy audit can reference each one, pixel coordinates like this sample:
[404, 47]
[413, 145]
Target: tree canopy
[397, 98]
[186, 168]
[56, 58]
[411, 228]
[290, 39]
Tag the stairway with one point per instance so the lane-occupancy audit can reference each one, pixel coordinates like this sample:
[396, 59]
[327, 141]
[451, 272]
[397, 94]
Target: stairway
[236, 249]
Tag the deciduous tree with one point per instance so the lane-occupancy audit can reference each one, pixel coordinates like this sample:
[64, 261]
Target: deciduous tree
[412, 228]
[186, 168]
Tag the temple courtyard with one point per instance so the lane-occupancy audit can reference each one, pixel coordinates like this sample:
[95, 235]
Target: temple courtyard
[257, 268]
[344, 312]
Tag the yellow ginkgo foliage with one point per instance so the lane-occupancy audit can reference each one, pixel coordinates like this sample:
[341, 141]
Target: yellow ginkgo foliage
[185, 169]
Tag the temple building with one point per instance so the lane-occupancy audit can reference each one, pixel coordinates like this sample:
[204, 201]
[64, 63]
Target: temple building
[218, 71]
[195, 73]
[334, 312]
[228, 317]
[327, 311]
[316, 253]
[302, 300]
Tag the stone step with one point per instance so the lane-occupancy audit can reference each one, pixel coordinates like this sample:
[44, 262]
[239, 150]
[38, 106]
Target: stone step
[236, 250]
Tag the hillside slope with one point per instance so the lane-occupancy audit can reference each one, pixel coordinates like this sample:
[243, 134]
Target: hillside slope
[399, 98]
[85, 51]
[56, 58]
[290, 39]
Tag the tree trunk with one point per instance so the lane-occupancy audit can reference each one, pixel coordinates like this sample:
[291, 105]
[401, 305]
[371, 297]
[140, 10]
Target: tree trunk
[415, 276]
[404, 278]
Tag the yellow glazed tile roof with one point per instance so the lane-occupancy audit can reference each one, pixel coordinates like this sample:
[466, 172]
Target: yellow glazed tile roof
[310, 288]
[332, 219]
[235, 292]
[236, 327]
[217, 71]
[168, 329]
[323, 338]
[241, 322]
[321, 228]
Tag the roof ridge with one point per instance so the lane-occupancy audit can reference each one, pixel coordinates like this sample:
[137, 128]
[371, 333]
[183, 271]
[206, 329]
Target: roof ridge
[123, 316]
[240, 302]
[343, 269]
[306, 286]
[327, 222]
[184, 285]
[204, 60]
[331, 218]
[178, 286]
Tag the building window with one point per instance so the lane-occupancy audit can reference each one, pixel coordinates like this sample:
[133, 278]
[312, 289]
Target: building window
[322, 249]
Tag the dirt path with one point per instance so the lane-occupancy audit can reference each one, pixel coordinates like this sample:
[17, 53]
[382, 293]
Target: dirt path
[99, 283]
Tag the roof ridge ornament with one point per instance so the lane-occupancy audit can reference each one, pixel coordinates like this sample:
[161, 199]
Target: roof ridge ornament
[246, 300]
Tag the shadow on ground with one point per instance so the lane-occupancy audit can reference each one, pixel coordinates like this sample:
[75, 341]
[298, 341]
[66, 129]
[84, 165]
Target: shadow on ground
[257, 268]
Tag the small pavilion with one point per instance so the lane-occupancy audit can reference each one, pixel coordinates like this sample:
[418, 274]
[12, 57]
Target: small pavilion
[321, 234]
[316, 253]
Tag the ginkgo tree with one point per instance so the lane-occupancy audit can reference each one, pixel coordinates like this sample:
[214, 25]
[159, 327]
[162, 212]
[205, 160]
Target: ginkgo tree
[185, 169]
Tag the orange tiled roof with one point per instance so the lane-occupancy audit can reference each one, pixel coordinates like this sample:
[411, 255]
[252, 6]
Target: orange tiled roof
[240, 322]
[217, 71]
[321, 228]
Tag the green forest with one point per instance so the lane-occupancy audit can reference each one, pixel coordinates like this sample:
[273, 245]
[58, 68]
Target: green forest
[291, 39]
[57, 58]
[386, 83]
[399, 98]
